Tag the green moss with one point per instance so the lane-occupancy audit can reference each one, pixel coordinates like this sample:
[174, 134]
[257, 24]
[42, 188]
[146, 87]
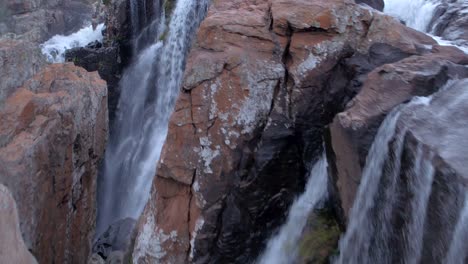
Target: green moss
[321, 238]
[106, 2]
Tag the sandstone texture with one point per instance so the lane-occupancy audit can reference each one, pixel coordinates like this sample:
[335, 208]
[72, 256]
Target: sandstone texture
[53, 132]
[12, 247]
[261, 84]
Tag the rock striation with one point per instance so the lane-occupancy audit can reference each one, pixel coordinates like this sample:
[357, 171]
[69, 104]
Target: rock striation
[53, 132]
[262, 83]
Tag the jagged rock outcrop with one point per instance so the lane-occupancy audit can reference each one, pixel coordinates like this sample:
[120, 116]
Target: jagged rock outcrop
[261, 84]
[19, 61]
[353, 130]
[37, 21]
[53, 132]
[12, 247]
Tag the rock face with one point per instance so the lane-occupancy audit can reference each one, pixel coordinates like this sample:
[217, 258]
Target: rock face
[38, 20]
[261, 84]
[12, 247]
[353, 130]
[53, 132]
[19, 61]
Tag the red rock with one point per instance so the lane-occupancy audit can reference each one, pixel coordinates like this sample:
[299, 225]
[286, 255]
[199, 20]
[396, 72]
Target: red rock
[53, 132]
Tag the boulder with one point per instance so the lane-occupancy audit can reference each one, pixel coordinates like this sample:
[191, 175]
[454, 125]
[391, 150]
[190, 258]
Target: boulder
[52, 137]
[12, 247]
[261, 83]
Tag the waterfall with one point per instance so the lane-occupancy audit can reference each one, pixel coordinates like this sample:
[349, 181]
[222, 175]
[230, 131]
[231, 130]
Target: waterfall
[370, 232]
[54, 48]
[149, 89]
[416, 14]
[458, 248]
[282, 248]
[419, 14]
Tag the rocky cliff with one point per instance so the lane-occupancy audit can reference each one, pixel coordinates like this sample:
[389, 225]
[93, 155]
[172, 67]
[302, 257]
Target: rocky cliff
[53, 132]
[261, 84]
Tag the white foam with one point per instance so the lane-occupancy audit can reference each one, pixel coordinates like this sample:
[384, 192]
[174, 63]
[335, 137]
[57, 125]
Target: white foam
[55, 48]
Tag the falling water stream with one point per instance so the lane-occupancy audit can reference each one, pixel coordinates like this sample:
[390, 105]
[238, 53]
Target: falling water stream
[282, 248]
[149, 89]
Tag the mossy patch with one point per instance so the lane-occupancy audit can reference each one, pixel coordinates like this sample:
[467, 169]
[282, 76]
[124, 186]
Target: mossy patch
[321, 237]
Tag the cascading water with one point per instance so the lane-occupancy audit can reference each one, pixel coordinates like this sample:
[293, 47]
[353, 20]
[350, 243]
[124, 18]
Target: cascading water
[419, 15]
[416, 14]
[458, 252]
[149, 89]
[389, 221]
[368, 232]
[282, 248]
[54, 48]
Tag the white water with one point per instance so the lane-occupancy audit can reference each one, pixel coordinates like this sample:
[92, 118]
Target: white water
[282, 248]
[149, 89]
[418, 14]
[54, 48]
[369, 228]
[458, 248]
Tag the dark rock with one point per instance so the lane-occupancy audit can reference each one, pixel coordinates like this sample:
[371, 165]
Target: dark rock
[377, 4]
[107, 62]
[117, 238]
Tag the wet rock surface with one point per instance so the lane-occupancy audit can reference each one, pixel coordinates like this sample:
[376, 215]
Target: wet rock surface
[261, 84]
[353, 130]
[118, 237]
[451, 22]
[53, 132]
